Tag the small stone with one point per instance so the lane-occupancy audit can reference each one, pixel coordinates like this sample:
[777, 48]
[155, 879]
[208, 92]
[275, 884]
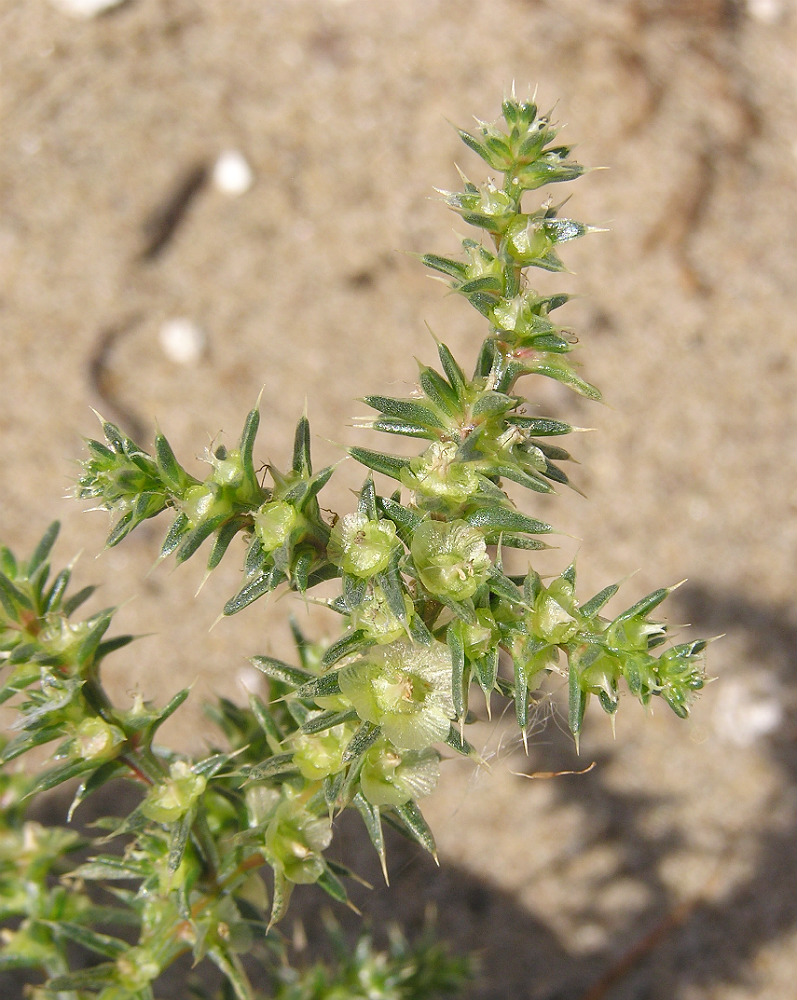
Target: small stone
[744, 712]
[765, 11]
[86, 8]
[232, 174]
[182, 340]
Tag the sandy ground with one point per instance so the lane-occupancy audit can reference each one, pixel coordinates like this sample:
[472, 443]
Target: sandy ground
[669, 871]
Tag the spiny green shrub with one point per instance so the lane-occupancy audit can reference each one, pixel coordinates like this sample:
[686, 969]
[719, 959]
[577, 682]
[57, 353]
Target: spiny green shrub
[427, 611]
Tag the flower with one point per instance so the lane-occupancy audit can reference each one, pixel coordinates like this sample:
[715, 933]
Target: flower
[295, 840]
[377, 620]
[390, 778]
[451, 558]
[405, 688]
[168, 802]
[439, 474]
[360, 546]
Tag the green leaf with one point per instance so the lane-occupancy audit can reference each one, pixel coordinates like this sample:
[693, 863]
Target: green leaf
[93, 979]
[120, 530]
[487, 671]
[388, 465]
[352, 642]
[179, 838]
[247, 443]
[327, 720]
[12, 598]
[495, 518]
[107, 772]
[279, 671]
[389, 425]
[58, 775]
[413, 822]
[502, 586]
[366, 502]
[404, 410]
[301, 449]
[43, 549]
[372, 819]
[456, 742]
[646, 604]
[577, 703]
[459, 679]
[282, 895]
[222, 543]
[70, 606]
[89, 645]
[454, 373]
[101, 944]
[332, 885]
[196, 536]
[594, 604]
[363, 740]
[453, 268]
[230, 965]
[112, 867]
[180, 526]
[405, 519]
[278, 764]
[320, 687]
[439, 391]
[252, 591]
[52, 598]
[28, 739]
[172, 473]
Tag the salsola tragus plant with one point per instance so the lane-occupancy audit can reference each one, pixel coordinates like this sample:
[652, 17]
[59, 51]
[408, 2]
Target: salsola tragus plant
[427, 611]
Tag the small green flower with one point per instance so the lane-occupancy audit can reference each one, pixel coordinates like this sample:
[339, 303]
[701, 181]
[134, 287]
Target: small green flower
[228, 467]
[406, 689]
[451, 558]
[167, 802]
[485, 206]
[360, 546]
[274, 523]
[439, 474]
[481, 638]
[136, 969]
[202, 503]
[295, 839]
[377, 620]
[321, 754]
[97, 740]
[554, 616]
[391, 778]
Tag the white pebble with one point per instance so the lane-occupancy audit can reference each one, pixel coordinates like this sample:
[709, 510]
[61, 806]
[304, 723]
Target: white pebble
[85, 8]
[744, 712]
[232, 174]
[766, 11]
[182, 341]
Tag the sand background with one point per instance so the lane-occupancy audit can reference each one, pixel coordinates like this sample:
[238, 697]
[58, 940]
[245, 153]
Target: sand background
[682, 839]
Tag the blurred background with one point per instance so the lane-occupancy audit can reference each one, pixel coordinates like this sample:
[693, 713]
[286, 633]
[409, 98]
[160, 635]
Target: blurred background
[201, 201]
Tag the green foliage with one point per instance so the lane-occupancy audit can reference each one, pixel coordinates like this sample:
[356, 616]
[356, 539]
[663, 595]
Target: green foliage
[426, 611]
